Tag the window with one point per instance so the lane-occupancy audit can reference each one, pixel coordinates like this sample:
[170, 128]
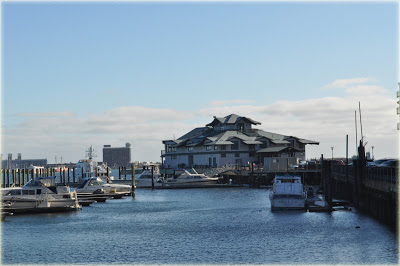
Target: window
[173, 157]
[190, 148]
[223, 155]
[240, 127]
[223, 147]
[208, 148]
[235, 145]
[237, 155]
[221, 126]
[215, 147]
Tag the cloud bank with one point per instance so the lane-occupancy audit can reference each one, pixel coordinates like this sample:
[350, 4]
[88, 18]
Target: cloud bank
[327, 120]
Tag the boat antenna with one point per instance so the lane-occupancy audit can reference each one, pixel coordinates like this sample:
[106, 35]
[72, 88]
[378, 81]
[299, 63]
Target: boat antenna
[362, 136]
[355, 119]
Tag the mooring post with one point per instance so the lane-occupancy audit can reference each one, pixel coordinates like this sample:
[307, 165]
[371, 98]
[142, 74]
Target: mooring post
[82, 174]
[8, 178]
[65, 179]
[3, 178]
[119, 172]
[108, 174]
[69, 179]
[23, 176]
[19, 177]
[152, 177]
[73, 174]
[133, 181]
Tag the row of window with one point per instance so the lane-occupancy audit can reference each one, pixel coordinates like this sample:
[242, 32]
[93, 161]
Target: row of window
[223, 155]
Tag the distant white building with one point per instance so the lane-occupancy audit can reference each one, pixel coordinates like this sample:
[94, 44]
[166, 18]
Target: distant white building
[231, 141]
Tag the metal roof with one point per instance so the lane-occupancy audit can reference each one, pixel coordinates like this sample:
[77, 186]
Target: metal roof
[277, 149]
[231, 119]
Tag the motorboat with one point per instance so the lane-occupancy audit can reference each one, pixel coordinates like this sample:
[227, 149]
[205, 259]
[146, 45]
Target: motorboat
[39, 195]
[95, 186]
[183, 178]
[287, 193]
[88, 168]
[144, 179]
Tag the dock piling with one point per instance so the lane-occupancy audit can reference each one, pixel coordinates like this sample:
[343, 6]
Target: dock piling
[133, 181]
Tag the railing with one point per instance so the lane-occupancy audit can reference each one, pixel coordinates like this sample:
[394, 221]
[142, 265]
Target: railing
[382, 174]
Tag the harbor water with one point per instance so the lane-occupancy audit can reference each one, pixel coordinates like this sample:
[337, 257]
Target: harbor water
[196, 226]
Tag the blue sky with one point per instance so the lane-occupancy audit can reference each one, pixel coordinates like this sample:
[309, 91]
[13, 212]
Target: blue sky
[77, 74]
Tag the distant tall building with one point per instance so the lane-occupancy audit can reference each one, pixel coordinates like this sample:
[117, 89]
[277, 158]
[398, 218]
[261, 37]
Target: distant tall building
[117, 157]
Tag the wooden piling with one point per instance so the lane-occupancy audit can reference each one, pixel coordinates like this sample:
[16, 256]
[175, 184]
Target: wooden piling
[65, 180]
[152, 177]
[14, 177]
[3, 178]
[119, 172]
[19, 177]
[8, 178]
[23, 176]
[69, 180]
[73, 174]
[133, 181]
[108, 175]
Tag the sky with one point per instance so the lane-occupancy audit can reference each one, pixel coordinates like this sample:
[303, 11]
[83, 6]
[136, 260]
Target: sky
[77, 74]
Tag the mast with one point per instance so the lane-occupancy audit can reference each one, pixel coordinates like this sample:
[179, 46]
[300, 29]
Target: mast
[355, 119]
[362, 136]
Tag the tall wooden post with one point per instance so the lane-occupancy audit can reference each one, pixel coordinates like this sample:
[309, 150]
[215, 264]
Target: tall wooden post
[64, 177]
[108, 174]
[8, 178]
[133, 181]
[3, 178]
[23, 176]
[119, 172]
[69, 180]
[19, 177]
[152, 177]
[73, 174]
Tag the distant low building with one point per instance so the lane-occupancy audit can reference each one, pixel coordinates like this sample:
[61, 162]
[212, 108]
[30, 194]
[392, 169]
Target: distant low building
[232, 141]
[20, 163]
[118, 156]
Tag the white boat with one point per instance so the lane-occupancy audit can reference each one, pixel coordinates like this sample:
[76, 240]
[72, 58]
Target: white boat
[97, 186]
[35, 168]
[183, 178]
[88, 168]
[39, 195]
[287, 193]
[144, 179]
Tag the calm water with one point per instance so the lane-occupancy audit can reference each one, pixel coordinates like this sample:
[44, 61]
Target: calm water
[196, 226]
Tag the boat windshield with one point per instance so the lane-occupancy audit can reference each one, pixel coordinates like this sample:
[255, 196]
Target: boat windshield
[43, 182]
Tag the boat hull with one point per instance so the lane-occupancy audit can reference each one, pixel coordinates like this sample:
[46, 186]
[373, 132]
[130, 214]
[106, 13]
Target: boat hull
[287, 202]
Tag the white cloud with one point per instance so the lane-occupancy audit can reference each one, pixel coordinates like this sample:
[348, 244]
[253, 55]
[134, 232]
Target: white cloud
[327, 120]
[343, 83]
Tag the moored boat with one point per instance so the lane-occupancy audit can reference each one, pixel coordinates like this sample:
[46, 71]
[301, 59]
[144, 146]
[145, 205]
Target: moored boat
[95, 187]
[39, 195]
[183, 178]
[287, 193]
[88, 168]
[144, 179]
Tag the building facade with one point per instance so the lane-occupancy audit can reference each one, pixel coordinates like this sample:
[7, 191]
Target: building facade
[20, 163]
[118, 156]
[230, 141]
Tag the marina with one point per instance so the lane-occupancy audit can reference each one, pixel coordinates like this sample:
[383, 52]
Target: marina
[196, 226]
